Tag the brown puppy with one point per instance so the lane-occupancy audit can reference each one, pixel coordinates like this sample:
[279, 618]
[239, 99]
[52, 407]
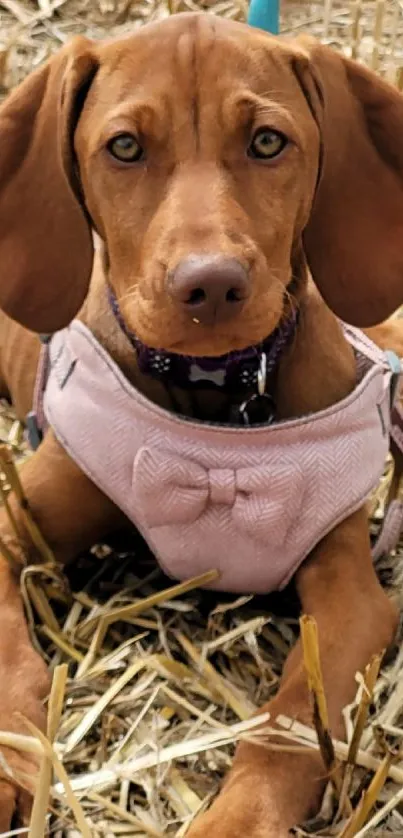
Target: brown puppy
[205, 144]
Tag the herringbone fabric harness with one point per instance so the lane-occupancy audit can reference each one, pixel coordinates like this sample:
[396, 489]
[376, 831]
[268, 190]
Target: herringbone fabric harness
[249, 502]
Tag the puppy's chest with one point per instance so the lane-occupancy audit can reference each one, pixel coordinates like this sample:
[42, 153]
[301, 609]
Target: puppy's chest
[238, 409]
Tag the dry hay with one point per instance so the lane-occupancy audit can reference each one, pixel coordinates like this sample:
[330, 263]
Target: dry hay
[30, 30]
[161, 683]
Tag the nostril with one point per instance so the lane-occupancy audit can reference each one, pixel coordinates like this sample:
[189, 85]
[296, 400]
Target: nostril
[196, 296]
[234, 295]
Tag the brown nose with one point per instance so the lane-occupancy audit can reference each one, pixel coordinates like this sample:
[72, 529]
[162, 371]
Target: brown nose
[211, 289]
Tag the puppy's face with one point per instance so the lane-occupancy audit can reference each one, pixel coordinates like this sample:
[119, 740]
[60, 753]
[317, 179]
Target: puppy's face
[198, 157]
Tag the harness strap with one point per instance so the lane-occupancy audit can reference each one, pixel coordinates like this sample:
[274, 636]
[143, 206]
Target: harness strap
[361, 343]
[391, 530]
[392, 526]
[36, 422]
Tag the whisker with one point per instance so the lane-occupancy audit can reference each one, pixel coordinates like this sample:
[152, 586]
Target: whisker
[128, 295]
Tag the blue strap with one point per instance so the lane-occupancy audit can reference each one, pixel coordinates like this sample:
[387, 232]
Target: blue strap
[34, 432]
[396, 367]
[264, 14]
[394, 361]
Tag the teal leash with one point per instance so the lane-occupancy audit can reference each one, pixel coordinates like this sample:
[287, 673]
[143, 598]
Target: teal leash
[264, 14]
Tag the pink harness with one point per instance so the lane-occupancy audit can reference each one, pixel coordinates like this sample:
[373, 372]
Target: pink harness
[249, 502]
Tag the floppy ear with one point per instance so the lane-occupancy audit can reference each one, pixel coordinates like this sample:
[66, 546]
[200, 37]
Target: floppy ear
[45, 239]
[354, 238]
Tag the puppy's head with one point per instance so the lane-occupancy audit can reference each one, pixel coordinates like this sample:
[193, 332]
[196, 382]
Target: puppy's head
[211, 159]
[198, 158]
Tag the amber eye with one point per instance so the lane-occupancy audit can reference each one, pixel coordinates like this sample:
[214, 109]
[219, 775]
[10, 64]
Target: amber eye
[126, 148]
[267, 144]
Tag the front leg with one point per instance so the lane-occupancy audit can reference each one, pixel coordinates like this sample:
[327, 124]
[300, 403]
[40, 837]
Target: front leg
[72, 514]
[70, 511]
[267, 792]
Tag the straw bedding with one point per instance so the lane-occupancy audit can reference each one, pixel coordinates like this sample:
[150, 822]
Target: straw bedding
[154, 683]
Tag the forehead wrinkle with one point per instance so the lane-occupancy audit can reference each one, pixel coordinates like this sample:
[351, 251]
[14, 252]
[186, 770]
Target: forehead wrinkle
[259, 105]
[193, 48]
[186, 60]
[134, 109]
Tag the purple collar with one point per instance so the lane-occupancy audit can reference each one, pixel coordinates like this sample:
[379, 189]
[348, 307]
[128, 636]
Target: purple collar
[230, 373]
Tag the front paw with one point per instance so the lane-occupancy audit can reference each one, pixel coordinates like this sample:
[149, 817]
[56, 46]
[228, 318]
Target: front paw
[25, 685]
[239, 812]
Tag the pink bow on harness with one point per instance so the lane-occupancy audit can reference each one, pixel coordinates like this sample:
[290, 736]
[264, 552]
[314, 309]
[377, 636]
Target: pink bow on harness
[172, 490]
